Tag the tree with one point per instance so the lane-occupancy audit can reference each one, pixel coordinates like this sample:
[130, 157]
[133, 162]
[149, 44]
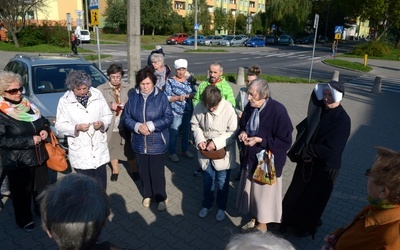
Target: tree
[116, 14]
[203, 16]
[13, 14]
[291, 15]
[156, 14]
[220, 19]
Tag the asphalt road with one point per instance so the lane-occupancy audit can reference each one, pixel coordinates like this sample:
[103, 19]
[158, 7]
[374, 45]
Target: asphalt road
[292, 61]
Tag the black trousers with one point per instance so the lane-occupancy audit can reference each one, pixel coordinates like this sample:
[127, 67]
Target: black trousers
[25, 184]
[152, 173]
[100, 174]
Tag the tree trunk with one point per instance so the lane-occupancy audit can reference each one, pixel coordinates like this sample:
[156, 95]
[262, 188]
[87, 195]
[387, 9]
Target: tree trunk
[152, 33]
[14, 38]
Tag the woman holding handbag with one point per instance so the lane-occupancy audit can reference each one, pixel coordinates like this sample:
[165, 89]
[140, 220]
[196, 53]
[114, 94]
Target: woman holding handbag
[23, 131]
[275, 135]
[214, 124]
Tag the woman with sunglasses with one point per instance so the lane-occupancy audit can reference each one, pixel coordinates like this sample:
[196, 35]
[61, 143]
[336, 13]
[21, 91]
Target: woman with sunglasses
[377, 225]
[23, 156]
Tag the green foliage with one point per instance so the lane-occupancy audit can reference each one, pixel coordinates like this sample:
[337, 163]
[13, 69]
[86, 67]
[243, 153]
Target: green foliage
[220, 19]
[116, 16]
[373, 48]
[52, 34]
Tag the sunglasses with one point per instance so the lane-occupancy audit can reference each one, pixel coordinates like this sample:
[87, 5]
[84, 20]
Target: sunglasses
[15, 91]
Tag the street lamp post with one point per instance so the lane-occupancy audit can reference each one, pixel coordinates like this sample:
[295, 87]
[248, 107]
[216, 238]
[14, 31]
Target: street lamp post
[87, 15]
[234, 24]
[195, 24]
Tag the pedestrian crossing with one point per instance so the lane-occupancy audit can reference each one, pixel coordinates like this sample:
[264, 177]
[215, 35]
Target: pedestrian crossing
[366, 82]
[300, 55]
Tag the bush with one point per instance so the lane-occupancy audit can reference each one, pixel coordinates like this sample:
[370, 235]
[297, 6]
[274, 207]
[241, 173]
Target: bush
[52, 34]
[373, 48]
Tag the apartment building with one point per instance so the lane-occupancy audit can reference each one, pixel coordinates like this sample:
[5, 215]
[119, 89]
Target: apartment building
[246, 7]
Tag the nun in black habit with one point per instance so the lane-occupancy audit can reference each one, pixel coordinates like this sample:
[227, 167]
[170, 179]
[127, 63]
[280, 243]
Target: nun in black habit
[322, 137]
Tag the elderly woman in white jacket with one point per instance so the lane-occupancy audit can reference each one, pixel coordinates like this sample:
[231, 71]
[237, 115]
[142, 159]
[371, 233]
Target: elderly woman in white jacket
[214, 125]
[83, 116]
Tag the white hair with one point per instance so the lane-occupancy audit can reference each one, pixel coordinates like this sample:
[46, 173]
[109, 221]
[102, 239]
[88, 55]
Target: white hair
[259, 241]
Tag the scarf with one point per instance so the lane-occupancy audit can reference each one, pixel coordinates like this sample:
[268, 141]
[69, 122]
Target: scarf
[23, 111]
[160, 78]
[83, 99]
[253, 123]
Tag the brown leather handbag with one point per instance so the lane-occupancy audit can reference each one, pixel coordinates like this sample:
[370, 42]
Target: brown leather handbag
[213, 154]
[57, 155]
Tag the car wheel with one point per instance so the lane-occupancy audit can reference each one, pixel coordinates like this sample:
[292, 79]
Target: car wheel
[176, 42]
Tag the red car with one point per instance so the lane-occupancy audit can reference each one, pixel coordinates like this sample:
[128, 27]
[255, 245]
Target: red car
[177, 38]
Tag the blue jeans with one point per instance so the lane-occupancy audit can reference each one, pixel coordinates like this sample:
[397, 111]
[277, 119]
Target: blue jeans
[210, 176]
[184, 122]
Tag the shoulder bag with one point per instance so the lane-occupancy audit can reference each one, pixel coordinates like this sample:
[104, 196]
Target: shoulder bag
[57, 155]
[213, 154]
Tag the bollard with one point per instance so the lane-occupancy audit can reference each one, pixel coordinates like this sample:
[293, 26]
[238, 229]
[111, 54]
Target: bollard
[365, 59]
[376, 88]
[335, 76]
[240, 76]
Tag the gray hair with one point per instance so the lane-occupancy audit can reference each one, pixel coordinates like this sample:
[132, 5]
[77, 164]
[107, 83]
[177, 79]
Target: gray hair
[218, 64]
[77, 78]
[6, 79]
[261, 86]
[259, 241]
[157, 57]
[74, 211]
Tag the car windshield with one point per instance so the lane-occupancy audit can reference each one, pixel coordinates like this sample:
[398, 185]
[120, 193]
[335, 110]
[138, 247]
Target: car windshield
[51, 78]
[84, 32]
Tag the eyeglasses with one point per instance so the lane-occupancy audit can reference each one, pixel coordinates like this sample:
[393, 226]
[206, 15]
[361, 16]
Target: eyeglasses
[115, 77]
[15, 91]
[367, 172]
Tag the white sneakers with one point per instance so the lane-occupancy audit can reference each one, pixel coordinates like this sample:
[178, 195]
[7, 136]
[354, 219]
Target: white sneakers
[205, 211]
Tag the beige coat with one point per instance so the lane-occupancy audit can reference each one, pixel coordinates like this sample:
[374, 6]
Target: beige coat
[221, 126]
[109, 96]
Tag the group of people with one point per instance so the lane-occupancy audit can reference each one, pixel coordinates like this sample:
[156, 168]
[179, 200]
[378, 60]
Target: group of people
[140, 125]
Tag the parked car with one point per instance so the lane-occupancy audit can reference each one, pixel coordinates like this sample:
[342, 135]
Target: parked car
[44, 80]
[238, 40]
[255, 41]
[211, 40]
[285, 40]
[271, 40]
[176, 38]
[226, 41]
[308, 39]
[190, 40]
[84, 36]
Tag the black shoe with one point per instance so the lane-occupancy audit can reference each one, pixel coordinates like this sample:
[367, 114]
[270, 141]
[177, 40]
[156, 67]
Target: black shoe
[198, 172]
[114, 177]
[29, 227]
[305, 232]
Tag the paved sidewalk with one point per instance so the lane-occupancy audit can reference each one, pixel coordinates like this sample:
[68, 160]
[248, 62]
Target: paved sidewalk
[375, 121]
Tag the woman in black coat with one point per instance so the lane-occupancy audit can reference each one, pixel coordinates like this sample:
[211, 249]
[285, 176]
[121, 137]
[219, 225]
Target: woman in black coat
[327, 130]
[22, 152]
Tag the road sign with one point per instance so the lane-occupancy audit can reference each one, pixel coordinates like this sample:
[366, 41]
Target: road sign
[338, 36]
[94, 17]
[316, 19]
[338, 30]
[196, 26]
[94, 4]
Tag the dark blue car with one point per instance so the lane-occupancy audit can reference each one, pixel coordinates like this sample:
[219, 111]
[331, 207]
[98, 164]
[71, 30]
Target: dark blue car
[190, 40]
[255, 42]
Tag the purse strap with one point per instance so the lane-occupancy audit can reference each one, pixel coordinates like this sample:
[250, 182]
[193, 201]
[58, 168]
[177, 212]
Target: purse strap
[53, 138]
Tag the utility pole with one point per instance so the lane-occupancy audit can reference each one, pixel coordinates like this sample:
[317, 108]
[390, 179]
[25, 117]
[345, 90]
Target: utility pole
[195, 23]
[133, 40]
[87, 14]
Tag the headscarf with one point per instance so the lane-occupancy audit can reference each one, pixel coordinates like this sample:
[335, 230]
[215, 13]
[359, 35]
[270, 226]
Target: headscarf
[23, 111]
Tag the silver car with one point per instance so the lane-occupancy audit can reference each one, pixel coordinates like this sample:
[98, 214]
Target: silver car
[211, 40]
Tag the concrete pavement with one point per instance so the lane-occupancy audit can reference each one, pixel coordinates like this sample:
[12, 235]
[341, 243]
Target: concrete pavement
[375, 121]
